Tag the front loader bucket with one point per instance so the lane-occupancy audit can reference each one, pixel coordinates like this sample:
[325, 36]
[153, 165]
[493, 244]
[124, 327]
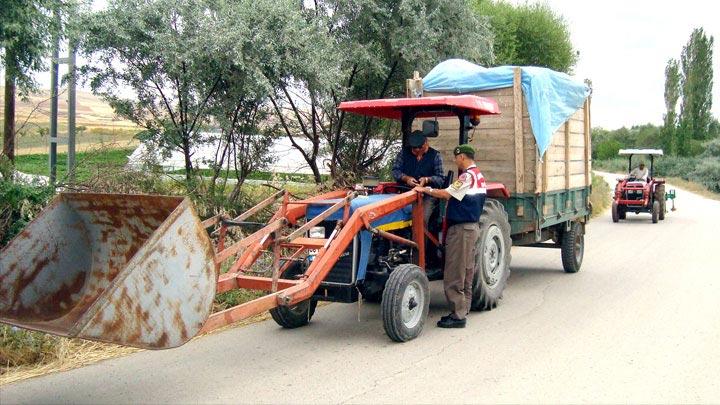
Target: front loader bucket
[135, 270]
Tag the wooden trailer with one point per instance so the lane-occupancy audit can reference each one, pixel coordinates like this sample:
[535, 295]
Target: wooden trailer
[547, 193]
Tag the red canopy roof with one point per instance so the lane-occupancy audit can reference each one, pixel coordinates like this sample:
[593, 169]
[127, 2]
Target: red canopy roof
[392, 107]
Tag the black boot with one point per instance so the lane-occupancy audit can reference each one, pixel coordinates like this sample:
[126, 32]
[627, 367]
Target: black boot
[450, 322]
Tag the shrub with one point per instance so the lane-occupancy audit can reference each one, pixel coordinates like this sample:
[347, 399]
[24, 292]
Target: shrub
[608, 149]
[712, 148]
[708, 174]
[19, 203]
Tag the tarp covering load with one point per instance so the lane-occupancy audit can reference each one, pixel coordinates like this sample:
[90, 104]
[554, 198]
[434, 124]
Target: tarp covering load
[128, 269]
[552, 97]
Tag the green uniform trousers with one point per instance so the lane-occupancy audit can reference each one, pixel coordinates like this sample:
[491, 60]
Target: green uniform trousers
[460, 267]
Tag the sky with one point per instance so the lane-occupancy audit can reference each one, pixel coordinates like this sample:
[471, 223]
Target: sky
[624, 47]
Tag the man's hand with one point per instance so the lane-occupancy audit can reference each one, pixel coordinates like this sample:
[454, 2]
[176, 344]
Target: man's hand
[410, 181]
[424, 181]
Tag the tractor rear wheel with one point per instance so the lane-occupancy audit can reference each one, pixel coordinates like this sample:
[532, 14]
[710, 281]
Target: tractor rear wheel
[615, 212]
[492, 257]
[655, 211]
[573, 247]
[299, 314]
[660, 196]
[405, 302]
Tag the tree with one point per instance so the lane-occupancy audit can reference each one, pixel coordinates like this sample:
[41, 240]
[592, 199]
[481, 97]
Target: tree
[672, 93]
[697, 82]
[25, 30]
[170, 55]
[376, 44]
[528, 34]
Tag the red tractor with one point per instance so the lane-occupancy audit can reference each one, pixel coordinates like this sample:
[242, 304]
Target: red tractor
[639, 191]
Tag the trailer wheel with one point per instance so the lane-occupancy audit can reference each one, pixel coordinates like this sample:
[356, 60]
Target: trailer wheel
[299, 314]
[492, 257]
[655, 211]
[573, 248]
[615, 212]
[405, 303]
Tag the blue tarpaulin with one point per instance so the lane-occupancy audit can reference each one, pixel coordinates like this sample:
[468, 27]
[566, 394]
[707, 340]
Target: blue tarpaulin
[552, 97]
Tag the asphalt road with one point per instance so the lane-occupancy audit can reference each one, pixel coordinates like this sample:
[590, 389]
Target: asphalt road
[639, 323]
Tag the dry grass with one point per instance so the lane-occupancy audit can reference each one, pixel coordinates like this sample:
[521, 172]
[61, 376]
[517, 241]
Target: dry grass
[70, 354]
[67, 355]
[600, 196]
[692, 187]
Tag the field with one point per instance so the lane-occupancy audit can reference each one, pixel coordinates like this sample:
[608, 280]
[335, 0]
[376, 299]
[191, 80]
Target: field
[96, 123]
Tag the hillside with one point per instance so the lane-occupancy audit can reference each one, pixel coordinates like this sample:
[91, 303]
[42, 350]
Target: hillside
[91, 110]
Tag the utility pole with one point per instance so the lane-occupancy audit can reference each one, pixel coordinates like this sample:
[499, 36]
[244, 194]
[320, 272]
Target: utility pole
[54, 100]
[71, 112]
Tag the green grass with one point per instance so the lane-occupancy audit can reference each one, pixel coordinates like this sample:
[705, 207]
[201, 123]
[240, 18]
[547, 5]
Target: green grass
[261, 175]
[88, 163]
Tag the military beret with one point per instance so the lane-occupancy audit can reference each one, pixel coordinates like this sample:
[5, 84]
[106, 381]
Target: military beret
[466, 149]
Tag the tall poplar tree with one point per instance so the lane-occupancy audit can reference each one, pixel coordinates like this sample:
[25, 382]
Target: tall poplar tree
[672, 94]
[697, 82]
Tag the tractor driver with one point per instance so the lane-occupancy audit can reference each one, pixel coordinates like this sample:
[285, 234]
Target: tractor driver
[639, 173]
[466, 199]
[419, 165]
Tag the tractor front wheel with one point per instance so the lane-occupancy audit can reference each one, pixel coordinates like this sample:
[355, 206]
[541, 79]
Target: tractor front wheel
[299, 314]
[405, 303]
[573, 247]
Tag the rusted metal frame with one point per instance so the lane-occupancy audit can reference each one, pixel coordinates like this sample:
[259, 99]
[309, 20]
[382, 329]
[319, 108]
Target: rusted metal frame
[211, 221]
[261, 205]
[336, 207]
[221, 238]
[328, 256]
[393, 237]
[432, 238]
[240, 312]
[214, 220]
[297, 209]
[246, 242]
[418, 226]
[232, 281]
[276, 245]
[294, 211]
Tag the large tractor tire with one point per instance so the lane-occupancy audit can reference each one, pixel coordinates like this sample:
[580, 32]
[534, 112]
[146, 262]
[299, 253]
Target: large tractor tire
[655, 211]
[405, 303]
[615, 212]
[492, 257]
[573, 247]
[660, 196]
[299, 314]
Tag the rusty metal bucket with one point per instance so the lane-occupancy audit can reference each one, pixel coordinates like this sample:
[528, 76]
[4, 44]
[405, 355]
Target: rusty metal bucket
[135, 270]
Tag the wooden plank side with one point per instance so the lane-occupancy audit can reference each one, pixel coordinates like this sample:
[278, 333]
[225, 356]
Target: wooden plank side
[518, 129]
[567, 155]
[556, 183]
[588, 144]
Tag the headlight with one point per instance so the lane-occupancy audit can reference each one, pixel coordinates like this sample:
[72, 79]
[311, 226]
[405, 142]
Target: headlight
[317, 232]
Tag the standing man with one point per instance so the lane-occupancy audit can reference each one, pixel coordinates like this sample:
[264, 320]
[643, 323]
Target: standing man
[467, 197]
[419, 165]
